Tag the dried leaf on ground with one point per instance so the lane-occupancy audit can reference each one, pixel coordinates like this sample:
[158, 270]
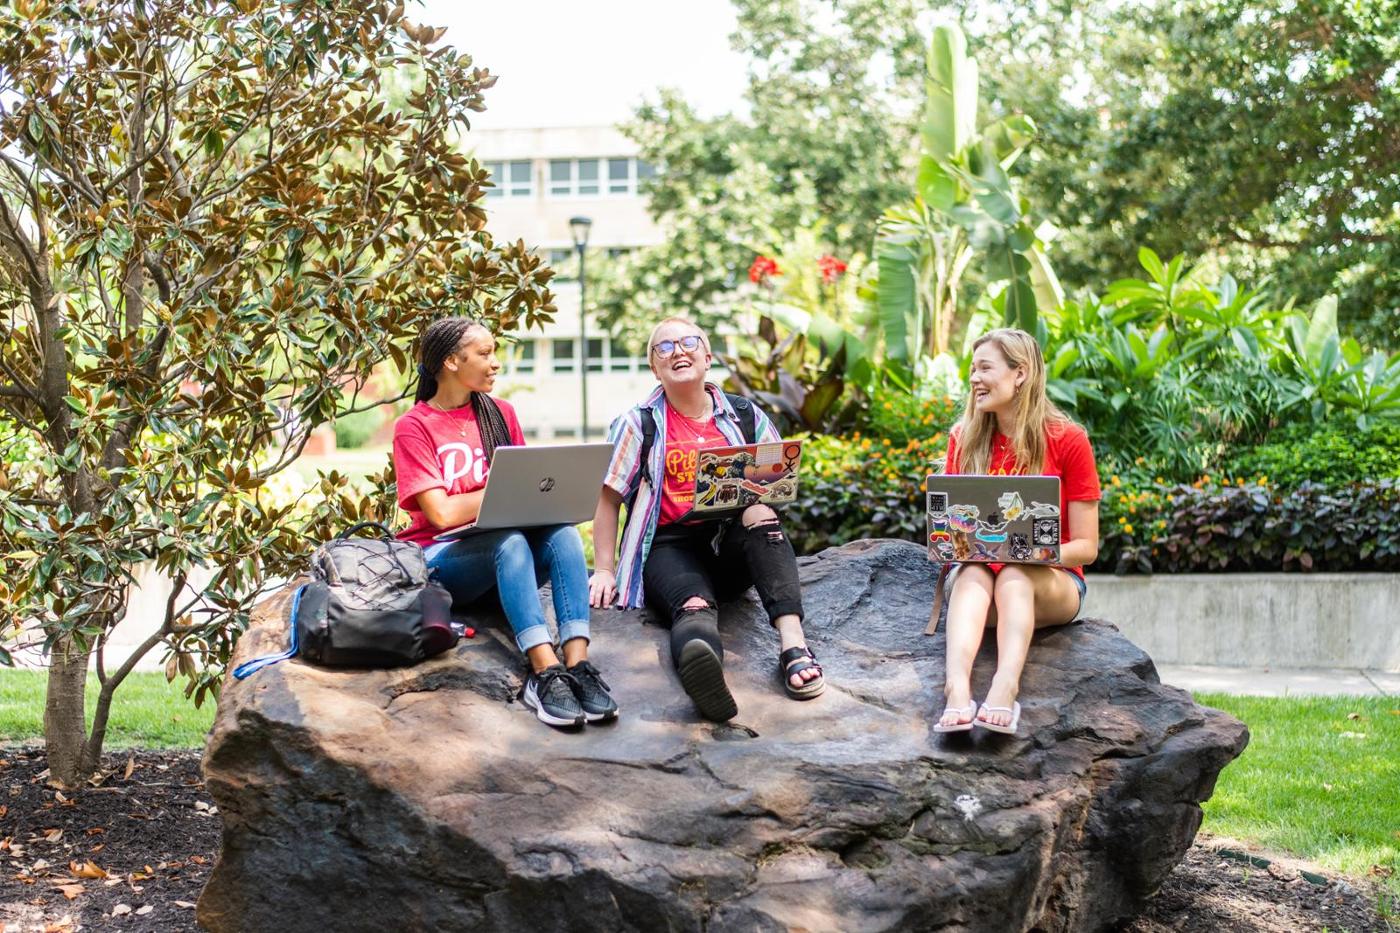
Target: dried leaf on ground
[87, 869]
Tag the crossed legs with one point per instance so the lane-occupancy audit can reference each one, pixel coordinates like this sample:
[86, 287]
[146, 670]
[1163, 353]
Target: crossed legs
[1016, 601]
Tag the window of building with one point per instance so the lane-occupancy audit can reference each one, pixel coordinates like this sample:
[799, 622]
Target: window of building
[565, 432]
[561, 177]
[587, 176]
[596, 353]
[620, 176]
[564, 356]
[620, 358]
[564, 262]
[593, 177]
[522, 357]
[512, 179]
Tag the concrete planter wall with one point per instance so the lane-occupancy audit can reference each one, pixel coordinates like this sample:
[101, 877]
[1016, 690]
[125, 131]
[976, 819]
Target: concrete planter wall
[1273, 620]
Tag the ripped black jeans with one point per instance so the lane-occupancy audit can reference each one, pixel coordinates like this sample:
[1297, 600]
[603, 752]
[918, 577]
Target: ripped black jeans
[683, 564]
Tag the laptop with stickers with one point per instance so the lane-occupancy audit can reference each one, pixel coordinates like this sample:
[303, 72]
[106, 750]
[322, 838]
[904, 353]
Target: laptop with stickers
[539, 485]
[730, 479]
[1002, 519]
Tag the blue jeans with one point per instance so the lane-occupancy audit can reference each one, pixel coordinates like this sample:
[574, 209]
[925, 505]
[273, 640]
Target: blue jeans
[514, 561]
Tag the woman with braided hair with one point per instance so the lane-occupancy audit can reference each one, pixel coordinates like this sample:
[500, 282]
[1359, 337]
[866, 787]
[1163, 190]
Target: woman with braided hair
[442, 455]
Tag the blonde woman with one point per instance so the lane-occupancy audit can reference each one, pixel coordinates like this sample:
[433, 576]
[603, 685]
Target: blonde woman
[1010, 427]
[682, 569]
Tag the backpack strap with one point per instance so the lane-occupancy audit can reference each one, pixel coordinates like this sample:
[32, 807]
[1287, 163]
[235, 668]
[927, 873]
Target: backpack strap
[247, 668]
[648, 442]
[748, 417]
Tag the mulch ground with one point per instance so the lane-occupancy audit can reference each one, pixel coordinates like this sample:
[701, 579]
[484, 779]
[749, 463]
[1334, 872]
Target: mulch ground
[132, 852]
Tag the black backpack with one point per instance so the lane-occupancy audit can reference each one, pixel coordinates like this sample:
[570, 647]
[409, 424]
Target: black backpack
[371, 602]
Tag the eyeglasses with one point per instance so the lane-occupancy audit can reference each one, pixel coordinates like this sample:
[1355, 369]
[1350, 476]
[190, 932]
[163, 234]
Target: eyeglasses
[667, 348]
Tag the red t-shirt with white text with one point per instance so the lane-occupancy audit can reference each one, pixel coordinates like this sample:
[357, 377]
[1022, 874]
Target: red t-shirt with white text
[440, 450]
[1068, 455]
[684, 438]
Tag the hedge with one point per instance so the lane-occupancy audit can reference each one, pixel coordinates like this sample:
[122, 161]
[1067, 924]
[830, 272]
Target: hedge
[867, 488]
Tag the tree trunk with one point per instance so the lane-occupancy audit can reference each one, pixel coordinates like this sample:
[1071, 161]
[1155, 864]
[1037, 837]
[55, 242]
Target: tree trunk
[65, 726]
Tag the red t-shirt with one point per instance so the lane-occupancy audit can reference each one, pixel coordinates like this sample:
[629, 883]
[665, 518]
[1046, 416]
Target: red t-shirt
[440, 450]
[1068, 455]
[684, 438]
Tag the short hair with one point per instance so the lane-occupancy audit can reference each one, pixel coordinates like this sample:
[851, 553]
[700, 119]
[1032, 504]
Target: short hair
[676, 320]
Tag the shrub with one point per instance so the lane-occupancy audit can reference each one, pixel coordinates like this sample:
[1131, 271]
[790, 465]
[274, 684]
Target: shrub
[899, 417]
[355, 430]
[1334, 456]
[1211, 526]
[861, 487]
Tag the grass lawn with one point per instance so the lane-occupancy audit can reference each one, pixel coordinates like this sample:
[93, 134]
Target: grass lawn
[146, 711]
[1320, 779]
[356, 463]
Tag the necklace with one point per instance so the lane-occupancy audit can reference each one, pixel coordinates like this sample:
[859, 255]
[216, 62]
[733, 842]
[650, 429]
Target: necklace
[461, 424]
[705, 415]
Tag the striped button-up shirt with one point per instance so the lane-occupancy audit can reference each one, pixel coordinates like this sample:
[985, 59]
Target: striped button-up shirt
[624, 476]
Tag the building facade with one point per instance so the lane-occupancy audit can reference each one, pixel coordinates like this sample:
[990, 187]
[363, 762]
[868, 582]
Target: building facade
[544, 177]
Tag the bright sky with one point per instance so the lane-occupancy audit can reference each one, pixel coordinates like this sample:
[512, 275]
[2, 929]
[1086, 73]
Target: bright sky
[565, 63]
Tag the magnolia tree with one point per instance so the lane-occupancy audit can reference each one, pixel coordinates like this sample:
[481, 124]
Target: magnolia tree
[213, 225]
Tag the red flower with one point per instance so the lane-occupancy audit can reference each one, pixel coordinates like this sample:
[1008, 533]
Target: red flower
[831, 268]
[763, 268]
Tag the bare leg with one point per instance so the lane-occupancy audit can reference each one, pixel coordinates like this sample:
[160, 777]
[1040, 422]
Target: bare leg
[967, 620]
[575, 650]
[542, 656]
[1027, 597]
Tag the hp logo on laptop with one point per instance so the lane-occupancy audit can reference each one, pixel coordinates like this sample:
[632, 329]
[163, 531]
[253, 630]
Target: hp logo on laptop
[547, 484]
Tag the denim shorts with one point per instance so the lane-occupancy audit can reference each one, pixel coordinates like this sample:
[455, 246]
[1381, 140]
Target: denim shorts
[1079, 585]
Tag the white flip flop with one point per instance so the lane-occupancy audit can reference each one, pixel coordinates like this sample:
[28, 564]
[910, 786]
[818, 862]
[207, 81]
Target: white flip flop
[970, 709]
[1010, 727]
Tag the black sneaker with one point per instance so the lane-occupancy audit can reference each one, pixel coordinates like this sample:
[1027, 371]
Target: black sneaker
[702, 676]
[592, 692]
[550, 693]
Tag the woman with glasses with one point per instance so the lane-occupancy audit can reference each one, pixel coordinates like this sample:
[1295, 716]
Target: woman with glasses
[683, 568]
[443, 448]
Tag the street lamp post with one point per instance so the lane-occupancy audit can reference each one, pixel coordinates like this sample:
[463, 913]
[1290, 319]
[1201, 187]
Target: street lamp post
[578, 228]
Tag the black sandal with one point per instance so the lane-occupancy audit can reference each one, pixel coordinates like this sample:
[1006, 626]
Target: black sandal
[795, 661]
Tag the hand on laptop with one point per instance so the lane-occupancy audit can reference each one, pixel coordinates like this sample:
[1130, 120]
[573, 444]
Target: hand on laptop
[602, 589]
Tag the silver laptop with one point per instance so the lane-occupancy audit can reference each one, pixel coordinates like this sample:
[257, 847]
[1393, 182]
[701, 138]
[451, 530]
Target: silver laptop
[542, 485]
[1002, 519]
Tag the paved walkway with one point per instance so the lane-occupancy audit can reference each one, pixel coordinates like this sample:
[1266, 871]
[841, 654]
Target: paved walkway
[1269, 682]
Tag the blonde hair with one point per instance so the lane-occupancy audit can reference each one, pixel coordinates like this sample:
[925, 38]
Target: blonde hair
[651, 338]
[1032, 412]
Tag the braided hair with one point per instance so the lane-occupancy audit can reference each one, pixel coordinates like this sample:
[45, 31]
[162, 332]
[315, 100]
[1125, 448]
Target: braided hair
[440, 340]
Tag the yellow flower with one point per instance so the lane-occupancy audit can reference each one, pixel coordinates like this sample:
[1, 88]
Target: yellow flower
[1128, 529]
[1117, 482]
[1122, 520]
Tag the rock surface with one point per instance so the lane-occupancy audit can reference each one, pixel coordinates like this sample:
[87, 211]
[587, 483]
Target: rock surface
[423, 799]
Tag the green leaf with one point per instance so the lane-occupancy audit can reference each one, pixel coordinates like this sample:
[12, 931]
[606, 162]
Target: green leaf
[938, 189]
[76, 404]
[897, 299]
[1153, 264]
[950, 108]
[1020, 304]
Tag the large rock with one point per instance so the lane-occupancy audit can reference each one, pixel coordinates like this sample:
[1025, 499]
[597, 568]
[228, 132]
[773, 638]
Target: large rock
[424, 799]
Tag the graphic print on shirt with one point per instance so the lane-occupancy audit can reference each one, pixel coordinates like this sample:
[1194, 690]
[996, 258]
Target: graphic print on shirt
[680, 471]
[459, 460]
